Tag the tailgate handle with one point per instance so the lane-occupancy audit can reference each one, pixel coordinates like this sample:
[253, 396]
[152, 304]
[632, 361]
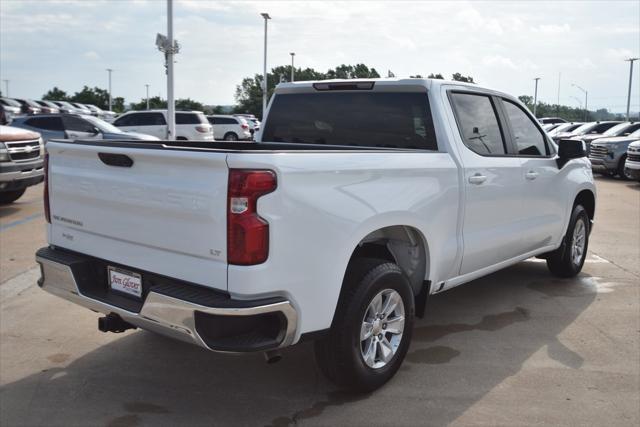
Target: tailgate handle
[121, 160]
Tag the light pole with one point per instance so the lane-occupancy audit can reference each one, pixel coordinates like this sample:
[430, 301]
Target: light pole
[147, 86]
[586, 98]
[535, 98]
[292, 69]
[264, 69]
[110, 70]
[630, 81]
[6, 85]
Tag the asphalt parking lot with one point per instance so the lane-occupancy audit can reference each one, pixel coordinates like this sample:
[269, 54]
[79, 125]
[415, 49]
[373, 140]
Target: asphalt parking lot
[518, 347]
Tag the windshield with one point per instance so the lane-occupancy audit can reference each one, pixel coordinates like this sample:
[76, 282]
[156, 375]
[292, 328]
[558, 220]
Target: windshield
[563, 128]
[102, 125]
[635, 134]
[581, 130]
[11, 102]
[617, 129]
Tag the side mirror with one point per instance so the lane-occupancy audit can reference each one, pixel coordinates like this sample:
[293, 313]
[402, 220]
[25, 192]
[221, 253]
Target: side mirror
[570, 149]
[96, 130]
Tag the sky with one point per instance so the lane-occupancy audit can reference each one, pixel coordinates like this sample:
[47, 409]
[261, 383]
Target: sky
[504, 45]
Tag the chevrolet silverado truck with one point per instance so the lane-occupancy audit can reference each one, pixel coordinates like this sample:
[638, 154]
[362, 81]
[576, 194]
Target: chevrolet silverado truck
[359, 199]
[21, 162]
[608, 155]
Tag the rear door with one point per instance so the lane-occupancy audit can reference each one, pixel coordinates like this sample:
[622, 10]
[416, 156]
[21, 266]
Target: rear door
[165, 213]
[492, 228]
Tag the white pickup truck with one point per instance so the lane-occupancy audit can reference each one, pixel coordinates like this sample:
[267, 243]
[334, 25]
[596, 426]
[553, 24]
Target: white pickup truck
[359, 199]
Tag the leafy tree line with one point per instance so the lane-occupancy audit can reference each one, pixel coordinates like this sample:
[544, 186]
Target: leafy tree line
[96, 96]
[572, 114]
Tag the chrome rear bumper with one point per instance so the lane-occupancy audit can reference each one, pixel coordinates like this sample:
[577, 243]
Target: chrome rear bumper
[160, 313]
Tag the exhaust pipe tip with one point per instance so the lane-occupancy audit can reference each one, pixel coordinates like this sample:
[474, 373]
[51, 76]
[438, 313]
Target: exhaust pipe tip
[272, 356]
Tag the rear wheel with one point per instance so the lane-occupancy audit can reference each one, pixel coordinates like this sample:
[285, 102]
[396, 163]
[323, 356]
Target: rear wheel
[231, 137]
[7, 197]
[568, 259]
[372, 327]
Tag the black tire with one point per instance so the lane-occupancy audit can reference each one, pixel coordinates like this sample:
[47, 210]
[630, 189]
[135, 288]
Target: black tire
[7, 197]
[339, 354]
[563, 261]
[230, 136]
[621, 173]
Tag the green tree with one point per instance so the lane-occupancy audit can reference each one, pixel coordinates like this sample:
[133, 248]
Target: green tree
[460, 78]
[55, 94]
[188, 104]
[155, 102]
[435, 76]
[95, 96]
[249, 92]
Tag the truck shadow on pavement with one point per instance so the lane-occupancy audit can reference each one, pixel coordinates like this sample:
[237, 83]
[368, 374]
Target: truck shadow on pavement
[473, 338]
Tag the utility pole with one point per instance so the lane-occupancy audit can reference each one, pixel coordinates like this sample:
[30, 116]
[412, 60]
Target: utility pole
[171, 107]
[6, 85]
[147, 86]
[586, 99]
[264, 68]
[630, 82]
[110, 70]
[535, 98]
[292, 69]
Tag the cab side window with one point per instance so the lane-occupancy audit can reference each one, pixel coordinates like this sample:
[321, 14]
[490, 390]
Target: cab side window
[478, 123]
[529, 140]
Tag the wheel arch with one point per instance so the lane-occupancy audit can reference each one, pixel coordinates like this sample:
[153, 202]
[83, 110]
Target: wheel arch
[587, 199]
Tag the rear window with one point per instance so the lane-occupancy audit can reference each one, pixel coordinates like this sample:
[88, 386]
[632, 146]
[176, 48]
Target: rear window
[191, 119]
[373, 119]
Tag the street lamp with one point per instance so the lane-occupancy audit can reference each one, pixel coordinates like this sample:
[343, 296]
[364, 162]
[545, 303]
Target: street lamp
[264, 69]
[6, 84]
[110, 70]
[169, 46]
[630, 80]
[535, 98]
[586, 97]
[292, 69]
[147, 86]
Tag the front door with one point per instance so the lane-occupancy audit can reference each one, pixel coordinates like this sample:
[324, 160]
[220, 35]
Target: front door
[492, 227]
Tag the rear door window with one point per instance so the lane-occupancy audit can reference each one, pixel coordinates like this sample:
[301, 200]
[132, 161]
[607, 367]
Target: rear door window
[149, 119]
[478, 123]
[77, 124]
[529, 140]
[47, 123]
[368, 119]
[191, 119]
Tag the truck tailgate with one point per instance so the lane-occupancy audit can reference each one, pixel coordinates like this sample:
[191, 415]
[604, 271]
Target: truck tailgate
[166, 213]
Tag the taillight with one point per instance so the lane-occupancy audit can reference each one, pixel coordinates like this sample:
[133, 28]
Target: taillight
[203, 129]
[247, 232]
[47, 209]
[245, 126]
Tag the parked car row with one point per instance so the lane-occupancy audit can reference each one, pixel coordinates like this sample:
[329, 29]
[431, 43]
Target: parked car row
[75, 126]
[632, 164]
[13, 107]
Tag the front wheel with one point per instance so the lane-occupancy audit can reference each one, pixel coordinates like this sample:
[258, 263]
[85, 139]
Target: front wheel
[568, 259]
[7, 197]
[231, 137]
[372, 327]
[622, 173]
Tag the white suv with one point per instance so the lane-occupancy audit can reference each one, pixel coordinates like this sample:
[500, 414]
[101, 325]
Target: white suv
[230, 128]
[190, 125]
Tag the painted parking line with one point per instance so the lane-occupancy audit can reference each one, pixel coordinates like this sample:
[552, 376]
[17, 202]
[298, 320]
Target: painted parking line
[20, 221]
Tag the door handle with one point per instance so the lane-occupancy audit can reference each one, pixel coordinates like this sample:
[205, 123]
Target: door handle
[531, 175]
[477, 179]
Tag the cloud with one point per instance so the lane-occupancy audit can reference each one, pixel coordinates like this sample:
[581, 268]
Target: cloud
[552, 28]
[499, 61]
[91, 55]
[618, 53]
